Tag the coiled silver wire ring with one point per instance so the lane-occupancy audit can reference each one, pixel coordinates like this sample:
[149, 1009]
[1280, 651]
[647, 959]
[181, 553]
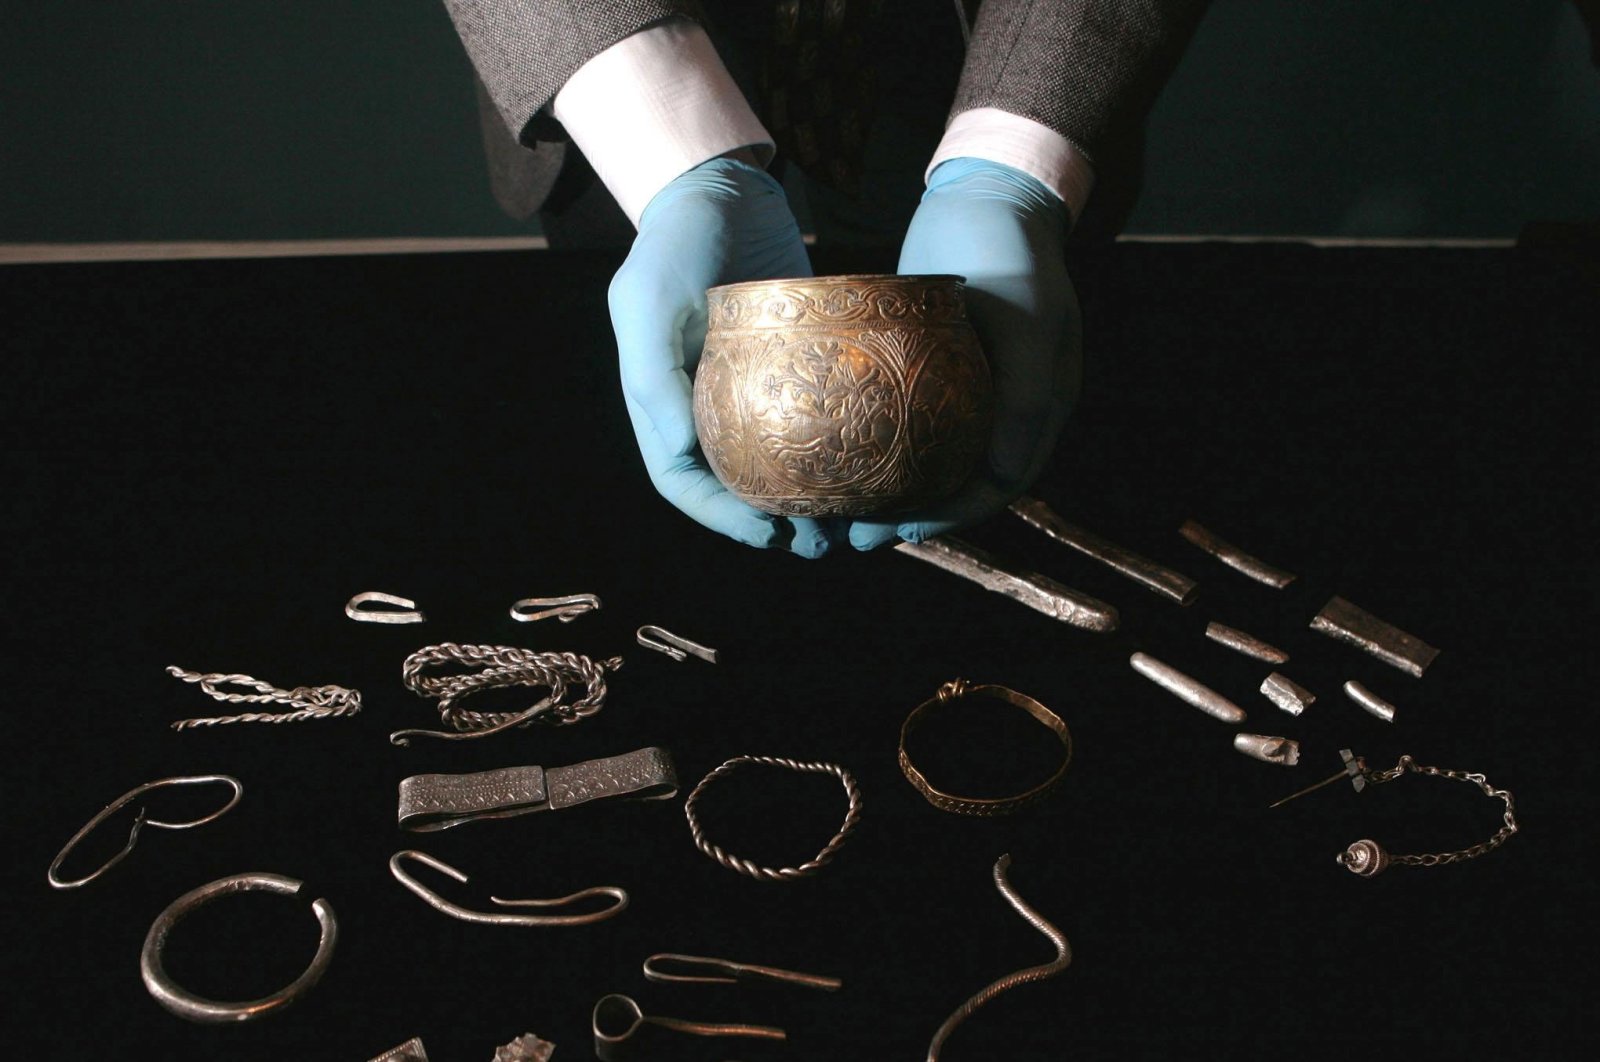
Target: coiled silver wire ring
[753, 870]
[186, 1004]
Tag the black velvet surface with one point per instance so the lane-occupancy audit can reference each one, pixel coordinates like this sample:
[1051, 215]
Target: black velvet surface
[206, 459]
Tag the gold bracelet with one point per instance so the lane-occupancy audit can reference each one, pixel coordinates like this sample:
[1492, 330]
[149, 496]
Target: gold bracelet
[957, 690]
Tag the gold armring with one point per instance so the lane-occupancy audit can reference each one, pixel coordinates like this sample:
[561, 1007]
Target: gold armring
[956, 805]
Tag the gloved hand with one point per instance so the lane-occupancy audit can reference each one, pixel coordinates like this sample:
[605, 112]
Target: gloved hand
[721, 222]
[1004, 231]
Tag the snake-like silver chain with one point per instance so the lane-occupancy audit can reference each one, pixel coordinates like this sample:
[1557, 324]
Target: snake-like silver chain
[1434, 859]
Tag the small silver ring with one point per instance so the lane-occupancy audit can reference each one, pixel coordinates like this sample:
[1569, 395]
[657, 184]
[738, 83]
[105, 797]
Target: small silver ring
[186, 1004]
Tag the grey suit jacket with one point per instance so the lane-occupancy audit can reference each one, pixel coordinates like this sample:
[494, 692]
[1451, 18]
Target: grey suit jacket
[1088, 69]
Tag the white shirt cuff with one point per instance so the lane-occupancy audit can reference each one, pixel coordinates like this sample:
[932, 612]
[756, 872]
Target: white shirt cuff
[651, 107]
[1037, 150]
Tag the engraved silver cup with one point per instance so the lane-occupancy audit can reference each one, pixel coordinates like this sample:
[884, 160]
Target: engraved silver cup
[842, 396]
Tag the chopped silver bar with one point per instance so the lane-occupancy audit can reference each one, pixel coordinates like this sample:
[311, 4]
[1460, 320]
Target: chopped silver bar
[1234, 557]
[1163, 580]
[1287, 693]
[1187, 689]
[1281, 750]
[1369, 700]
[410, 1051]
[1350, 623]
[1038, 592]
[1240, 642]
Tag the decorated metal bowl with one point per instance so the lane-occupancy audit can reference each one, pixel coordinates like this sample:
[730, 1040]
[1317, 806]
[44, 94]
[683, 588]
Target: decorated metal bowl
[842, 396]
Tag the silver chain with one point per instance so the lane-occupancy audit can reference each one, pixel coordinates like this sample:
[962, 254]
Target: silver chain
[309, 702]
[499, 666]
[1434, 859]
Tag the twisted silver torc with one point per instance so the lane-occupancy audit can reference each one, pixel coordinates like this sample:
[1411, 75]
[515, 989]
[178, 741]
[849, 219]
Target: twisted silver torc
[308, 702]
[753, 870]
[498, 666]
[1011, 980]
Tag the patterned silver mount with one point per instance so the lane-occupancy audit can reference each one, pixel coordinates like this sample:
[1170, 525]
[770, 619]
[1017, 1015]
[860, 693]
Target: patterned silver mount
[1235, 558]
[1249, 645]
[410, 1051]
[1364, 858]
[525, 1048]
[1287, 694]
[1341, 620]
[430, 802]
[1186, 689]
[1269, 749]
[1038, 592]
[1369, 700]
[842, 396]
[1174, 586]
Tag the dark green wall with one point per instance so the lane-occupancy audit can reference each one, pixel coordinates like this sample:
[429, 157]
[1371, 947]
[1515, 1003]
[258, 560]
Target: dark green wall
[243, 119]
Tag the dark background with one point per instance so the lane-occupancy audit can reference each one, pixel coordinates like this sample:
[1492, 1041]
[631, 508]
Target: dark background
[205, 460]
[253, 119]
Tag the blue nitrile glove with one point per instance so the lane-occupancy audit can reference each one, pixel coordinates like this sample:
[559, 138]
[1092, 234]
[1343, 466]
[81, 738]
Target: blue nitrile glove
[1004, 231]
[721, 222]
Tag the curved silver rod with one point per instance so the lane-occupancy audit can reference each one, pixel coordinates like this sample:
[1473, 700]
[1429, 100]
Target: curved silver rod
[140, 822]
[660, 967]
[494, 918]
[186, 1004]
[1011, 980]
[405, 610]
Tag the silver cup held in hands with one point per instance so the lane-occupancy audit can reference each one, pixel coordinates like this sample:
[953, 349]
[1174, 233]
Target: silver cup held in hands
[842, 396]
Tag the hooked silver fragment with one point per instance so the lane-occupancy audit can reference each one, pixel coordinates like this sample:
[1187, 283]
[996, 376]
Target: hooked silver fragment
[1349, 623]
[675, 646]
[1369, 700]
[525, 1048]
[617, 896]
[1280, 750]
[1240, 642]
[1187, 689]
[140, 821]
[1287, 693]
[701, 970]
[405, 610]
[1234, 557]
[1038, 592]
[566, 609]
[1159, 578]
[410, 1051]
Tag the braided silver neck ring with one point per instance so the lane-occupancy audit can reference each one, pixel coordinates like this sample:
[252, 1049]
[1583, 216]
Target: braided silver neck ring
[752, 870]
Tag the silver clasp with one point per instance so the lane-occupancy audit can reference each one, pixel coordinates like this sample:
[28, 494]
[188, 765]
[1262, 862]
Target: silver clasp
[679, 648]
[566, 609]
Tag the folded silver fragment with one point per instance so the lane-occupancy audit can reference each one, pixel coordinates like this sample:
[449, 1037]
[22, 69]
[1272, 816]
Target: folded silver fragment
[410, 1051]
[1350, 623]
[1369, 700]
[1163, 580]
[1267, 749]
[1038, 592]
[1240, 642]
[1187, 689]
[1234, 557]
[1287, 693]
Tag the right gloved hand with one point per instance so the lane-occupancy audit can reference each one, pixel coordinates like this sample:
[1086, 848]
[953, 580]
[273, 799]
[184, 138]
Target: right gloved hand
[723, 221]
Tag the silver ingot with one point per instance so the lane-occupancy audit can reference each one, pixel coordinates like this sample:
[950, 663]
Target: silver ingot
[1038, 592]
[842, 395]
[1175, 586]
[1240, 642]
[1365, 858]
[1267, 749]
[1187, 689]
[1234, 557]
[1287, 693]
[1369, 700]
[1349, 623]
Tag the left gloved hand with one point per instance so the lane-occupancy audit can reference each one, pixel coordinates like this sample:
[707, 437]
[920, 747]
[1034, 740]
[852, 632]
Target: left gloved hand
[1004, 231]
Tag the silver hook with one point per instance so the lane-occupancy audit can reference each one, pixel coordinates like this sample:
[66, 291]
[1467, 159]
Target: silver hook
[617, 1018]
[466, 914]
[141, 821]
[566, 609]
[409, 613]
[679, 648]
[727, 972]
